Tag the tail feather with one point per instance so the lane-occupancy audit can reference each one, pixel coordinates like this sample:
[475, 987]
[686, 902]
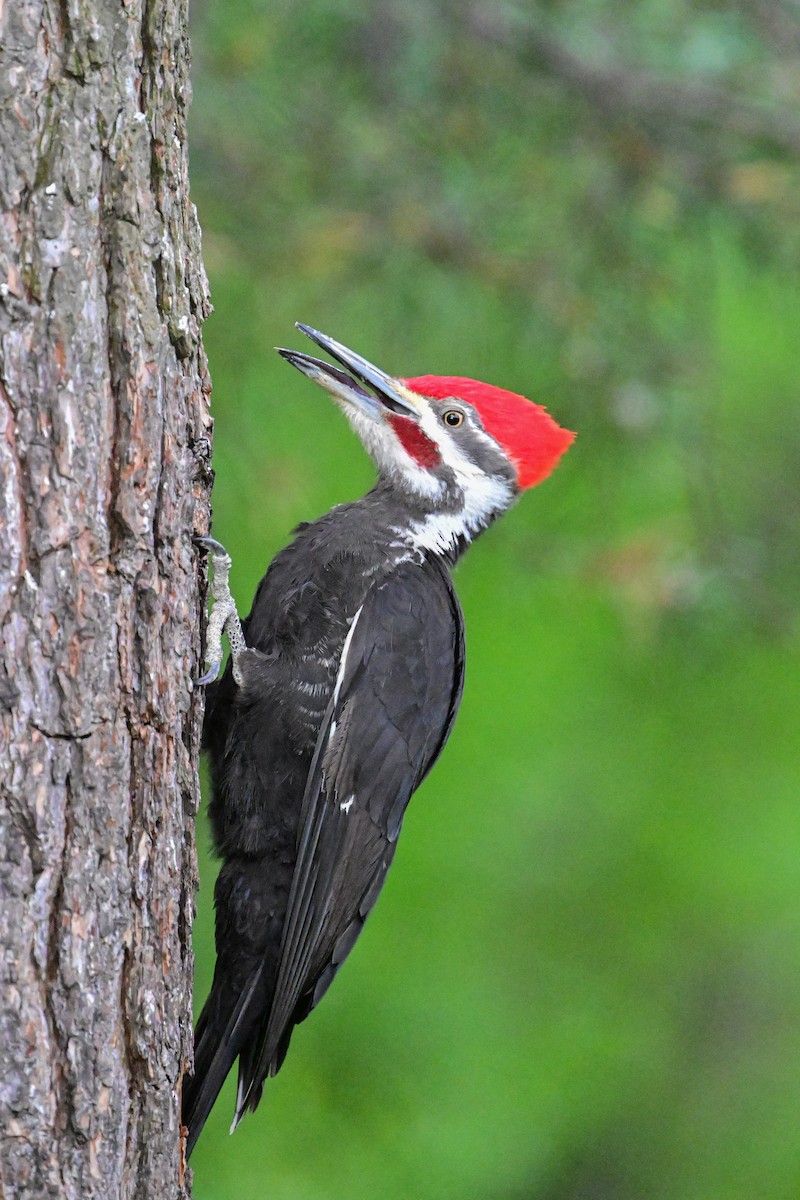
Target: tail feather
[217, 1047]
[255, 1069]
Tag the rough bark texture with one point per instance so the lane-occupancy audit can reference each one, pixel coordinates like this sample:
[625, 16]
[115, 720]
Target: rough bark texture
[103, 477]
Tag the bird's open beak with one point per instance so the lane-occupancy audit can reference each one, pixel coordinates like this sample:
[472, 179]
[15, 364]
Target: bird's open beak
[389, 393]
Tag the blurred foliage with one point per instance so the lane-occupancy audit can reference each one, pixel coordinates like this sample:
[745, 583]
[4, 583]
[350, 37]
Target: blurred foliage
[581, 982]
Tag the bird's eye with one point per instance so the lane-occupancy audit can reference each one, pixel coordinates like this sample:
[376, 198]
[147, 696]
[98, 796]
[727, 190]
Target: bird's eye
[453, 418]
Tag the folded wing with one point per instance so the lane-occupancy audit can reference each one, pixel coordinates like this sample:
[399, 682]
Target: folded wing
[396, 697]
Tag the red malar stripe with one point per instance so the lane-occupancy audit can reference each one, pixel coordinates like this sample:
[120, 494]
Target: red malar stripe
[421, 448]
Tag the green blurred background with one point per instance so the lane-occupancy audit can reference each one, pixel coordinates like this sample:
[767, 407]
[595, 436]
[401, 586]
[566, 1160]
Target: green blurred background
[582, 980]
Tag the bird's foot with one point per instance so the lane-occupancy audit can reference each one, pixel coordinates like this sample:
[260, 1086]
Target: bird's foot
[223, 617]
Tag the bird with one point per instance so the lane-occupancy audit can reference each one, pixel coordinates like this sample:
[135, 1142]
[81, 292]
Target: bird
[341, 689]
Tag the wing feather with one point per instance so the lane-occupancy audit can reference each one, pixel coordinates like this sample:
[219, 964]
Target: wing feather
[395, 699]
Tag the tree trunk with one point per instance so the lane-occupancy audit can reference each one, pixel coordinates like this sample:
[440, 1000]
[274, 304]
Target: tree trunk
[103, 478]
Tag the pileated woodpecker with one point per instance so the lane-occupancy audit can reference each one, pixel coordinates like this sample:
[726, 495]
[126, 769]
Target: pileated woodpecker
[341, 690]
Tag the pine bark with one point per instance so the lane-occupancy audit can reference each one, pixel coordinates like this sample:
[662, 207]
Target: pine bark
[104, 450]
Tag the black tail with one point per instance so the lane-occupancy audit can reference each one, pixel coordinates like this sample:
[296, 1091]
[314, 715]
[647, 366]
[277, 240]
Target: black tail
[222, 1031]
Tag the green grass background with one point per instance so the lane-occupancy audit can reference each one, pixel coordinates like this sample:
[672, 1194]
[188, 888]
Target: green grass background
[581, 981]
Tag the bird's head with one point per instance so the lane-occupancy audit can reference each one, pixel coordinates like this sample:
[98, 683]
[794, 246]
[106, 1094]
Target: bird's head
[457, 448]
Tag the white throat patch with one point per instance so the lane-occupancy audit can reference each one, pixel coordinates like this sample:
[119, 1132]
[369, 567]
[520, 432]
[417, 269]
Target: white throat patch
[391, 458]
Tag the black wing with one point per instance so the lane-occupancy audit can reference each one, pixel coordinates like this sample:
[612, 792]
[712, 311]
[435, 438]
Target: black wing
[396, 697]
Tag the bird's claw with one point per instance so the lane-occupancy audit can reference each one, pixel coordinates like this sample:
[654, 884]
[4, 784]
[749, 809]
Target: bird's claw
[209, 676]
[211, 545]
[223, 616]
